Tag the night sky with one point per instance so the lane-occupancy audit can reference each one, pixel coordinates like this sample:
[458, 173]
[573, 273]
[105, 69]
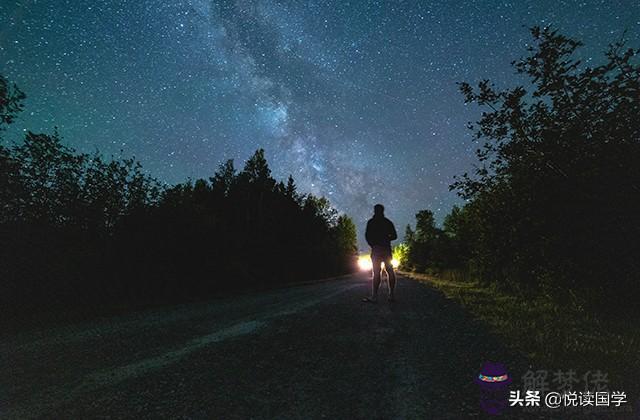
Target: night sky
[357, 100]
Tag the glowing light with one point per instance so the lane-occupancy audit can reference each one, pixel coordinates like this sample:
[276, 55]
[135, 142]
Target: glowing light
[364, 262]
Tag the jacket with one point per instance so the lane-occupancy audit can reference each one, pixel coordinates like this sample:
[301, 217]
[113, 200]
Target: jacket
[380, 232]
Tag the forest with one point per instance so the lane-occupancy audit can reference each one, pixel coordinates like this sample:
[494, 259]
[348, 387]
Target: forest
[553, 205]
[551, 208]
[79, 230]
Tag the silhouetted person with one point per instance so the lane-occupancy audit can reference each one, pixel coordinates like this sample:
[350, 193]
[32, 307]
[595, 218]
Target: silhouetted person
[379, 234]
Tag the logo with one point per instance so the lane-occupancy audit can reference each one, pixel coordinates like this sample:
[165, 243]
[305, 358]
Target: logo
[493, 381]
[562, 391]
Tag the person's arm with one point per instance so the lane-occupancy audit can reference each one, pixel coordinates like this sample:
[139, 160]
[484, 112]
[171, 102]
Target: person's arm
[393, 235]
[367, 233]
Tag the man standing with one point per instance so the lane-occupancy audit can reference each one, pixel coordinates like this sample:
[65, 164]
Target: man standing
[379, 234]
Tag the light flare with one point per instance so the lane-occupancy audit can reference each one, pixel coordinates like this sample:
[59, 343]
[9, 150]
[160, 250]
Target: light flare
[395, 263]
[365, 264]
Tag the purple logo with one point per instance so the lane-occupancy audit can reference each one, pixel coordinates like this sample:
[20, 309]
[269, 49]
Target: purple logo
[493, 381]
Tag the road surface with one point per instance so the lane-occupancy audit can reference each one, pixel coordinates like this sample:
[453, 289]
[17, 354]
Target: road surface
[311, 351]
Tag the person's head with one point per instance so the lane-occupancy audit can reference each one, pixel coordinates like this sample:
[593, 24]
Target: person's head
[378, 210]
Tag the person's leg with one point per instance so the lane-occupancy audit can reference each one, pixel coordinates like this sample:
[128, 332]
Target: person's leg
[391, 276]
[377, 262]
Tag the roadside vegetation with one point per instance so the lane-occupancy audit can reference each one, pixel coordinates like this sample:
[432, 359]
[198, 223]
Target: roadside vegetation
[545, 248]
[79, 230]
[552, 206]
[553, 336]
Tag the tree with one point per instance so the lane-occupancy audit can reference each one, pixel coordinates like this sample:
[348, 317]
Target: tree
[425, 226]
[345, 242]
[422, 244]
[291, 191]
[49, 176]
[84, 230]
[256, 170]
[224, 179]
[553, 197]
[11, 102]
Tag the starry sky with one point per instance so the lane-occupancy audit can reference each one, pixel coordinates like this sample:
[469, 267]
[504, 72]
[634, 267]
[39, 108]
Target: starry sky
[356, 99]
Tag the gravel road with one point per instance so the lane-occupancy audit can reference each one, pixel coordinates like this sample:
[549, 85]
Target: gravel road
[311, 351]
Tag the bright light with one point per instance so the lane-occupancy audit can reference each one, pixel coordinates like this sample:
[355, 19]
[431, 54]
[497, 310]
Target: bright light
[364, 262]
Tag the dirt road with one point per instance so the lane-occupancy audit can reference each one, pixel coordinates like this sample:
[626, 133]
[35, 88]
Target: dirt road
[312, 351]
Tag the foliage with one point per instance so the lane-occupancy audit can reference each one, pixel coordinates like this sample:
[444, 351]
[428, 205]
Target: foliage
[83, 229]
[239, 229]
[553, 205]
[401, 253]
[552, 334]
[11, 102]
[429, 248]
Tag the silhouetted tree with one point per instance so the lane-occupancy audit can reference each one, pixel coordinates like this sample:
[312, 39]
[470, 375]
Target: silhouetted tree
[84, 229]
[422, 243]
[555, 200]
[224, 178]
[291, 191]
[11, 102]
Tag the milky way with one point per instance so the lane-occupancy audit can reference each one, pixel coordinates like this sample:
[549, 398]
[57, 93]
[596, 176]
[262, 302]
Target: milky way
[357, 100]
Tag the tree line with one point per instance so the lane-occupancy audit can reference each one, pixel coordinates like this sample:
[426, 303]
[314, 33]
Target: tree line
[79, 229]
[553, 205]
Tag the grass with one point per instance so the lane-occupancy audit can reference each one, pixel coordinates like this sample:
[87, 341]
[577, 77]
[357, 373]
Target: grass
[552, 335]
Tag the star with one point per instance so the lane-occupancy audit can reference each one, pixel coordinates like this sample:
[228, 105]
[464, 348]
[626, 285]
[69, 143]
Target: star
[358, 100]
